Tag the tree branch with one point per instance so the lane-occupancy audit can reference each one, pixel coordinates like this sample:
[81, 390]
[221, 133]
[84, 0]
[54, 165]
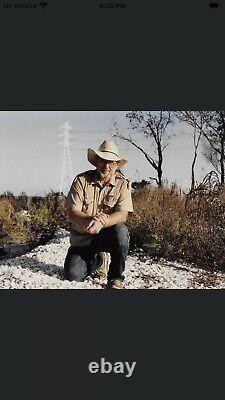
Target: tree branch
[150, 159]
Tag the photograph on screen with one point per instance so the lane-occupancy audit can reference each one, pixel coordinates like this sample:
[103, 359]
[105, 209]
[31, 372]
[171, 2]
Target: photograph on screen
[112, 200]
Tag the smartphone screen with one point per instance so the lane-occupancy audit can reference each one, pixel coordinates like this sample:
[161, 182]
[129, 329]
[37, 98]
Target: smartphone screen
[112, 159]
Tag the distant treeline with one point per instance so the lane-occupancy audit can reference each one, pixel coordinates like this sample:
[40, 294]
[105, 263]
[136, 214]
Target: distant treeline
[24, 202]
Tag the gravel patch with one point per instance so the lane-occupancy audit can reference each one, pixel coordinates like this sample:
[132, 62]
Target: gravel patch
[42, 268]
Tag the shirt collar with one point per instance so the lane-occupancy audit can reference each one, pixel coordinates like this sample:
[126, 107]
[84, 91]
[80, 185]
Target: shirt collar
[96, 181]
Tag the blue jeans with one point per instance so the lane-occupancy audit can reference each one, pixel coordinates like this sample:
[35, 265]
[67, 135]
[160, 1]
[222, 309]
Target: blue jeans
[113, 240]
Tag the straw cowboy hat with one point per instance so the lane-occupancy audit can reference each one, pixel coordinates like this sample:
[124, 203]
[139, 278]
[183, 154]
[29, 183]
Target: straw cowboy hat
[108, 151]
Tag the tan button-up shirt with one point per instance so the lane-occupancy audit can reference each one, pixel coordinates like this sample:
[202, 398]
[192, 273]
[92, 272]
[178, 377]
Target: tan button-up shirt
[88, 195]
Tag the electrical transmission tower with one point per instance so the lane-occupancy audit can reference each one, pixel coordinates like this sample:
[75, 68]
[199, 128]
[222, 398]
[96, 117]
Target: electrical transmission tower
[66, 171]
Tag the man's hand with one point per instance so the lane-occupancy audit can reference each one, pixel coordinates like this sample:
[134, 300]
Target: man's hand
[94, 227]
[91, 224]
[94, 224]
[85, 223]
[102, 217]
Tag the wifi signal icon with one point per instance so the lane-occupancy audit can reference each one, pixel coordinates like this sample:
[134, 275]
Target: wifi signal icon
[43, 4]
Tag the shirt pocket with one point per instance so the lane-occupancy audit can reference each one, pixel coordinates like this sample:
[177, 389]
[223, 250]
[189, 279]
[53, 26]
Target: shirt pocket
[88, 205]
[109, 203]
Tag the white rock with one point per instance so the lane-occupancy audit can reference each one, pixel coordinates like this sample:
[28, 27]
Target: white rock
[42, 268]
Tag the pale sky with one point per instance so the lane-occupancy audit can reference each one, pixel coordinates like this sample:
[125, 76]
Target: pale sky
[31, 153]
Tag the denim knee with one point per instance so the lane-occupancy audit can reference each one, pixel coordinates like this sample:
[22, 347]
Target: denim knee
[75, 268]
[121, 234]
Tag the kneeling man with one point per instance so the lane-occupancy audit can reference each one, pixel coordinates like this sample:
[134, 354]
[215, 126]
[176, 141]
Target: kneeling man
[98, 204]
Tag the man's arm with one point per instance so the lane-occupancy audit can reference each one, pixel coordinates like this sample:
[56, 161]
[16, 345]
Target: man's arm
[82, 219]
[93, 224]
[109, 220]
[116, 218]
[78, 216]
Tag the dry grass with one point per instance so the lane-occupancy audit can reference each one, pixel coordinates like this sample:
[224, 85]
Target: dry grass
[37, 224]
[6, 218]
[168, 223]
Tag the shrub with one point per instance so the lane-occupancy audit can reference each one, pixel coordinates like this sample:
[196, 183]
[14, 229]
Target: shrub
[46, 217]
[6, 219]
[36, 225]
[168, 223]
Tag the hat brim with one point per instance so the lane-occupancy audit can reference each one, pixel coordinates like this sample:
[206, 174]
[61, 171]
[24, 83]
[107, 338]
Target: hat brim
[92, 155]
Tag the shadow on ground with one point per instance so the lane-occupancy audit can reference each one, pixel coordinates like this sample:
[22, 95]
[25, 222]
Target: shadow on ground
[35, 265]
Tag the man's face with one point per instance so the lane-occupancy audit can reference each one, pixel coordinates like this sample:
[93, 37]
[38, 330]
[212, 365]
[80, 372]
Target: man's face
[106, 168]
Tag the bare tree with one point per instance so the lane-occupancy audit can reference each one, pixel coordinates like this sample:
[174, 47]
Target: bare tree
[215, 143]
[153, 125]
[211, 126]
[194, 120]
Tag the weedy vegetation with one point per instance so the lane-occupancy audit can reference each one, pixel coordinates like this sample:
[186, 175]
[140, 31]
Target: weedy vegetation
[166, 223]
[31, 220]
[176, 226]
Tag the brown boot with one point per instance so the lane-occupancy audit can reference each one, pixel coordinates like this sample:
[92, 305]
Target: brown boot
[115, 284]
[100, 273]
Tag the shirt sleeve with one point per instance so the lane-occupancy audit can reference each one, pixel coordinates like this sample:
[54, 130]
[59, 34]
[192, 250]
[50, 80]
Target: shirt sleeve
[124, 202]
[76, 194]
